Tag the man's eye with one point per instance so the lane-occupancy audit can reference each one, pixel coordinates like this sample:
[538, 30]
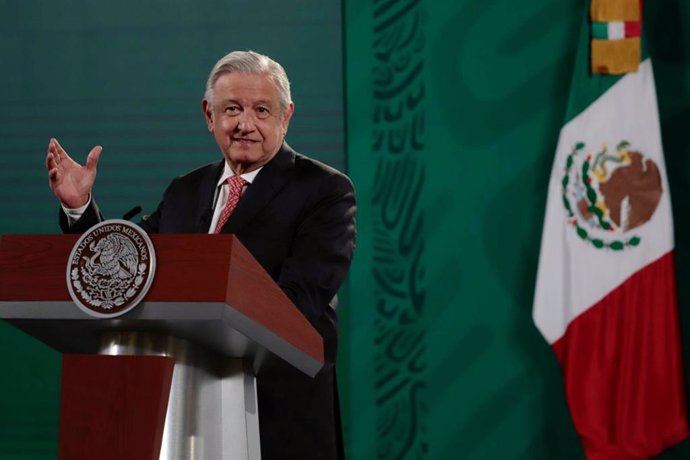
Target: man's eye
[232, 109]
[262, 112]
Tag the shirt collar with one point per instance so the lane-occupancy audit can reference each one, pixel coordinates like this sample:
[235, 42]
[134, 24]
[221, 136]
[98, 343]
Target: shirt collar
[228, 172]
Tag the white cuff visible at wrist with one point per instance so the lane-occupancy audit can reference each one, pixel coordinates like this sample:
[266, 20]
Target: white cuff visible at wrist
[74, 214]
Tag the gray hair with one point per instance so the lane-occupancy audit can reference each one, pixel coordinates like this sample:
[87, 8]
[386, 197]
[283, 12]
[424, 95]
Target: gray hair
[249, 62]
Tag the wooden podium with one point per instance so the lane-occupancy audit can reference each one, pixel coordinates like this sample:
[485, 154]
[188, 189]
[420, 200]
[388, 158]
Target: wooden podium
[174, 377]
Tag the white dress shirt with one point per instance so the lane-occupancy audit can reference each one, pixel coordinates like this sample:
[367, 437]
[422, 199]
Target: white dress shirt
[221, 196]
[219, 199]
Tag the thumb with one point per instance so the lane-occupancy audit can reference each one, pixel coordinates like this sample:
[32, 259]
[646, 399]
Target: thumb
[92, 158]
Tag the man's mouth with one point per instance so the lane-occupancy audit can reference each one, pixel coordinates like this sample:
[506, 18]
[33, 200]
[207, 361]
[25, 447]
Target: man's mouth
[243, 140]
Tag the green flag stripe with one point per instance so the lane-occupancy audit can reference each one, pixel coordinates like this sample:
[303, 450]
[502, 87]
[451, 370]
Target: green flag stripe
[600, 30]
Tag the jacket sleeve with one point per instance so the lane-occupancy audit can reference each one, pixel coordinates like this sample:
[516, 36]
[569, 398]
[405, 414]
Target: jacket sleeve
[320, 256]
[92, 215]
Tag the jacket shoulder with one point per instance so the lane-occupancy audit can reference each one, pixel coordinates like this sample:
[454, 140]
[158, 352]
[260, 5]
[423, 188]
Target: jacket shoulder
[207, 172]
[318, 170]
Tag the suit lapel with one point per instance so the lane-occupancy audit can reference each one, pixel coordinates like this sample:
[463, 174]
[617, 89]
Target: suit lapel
[268, 183]
[207, 190]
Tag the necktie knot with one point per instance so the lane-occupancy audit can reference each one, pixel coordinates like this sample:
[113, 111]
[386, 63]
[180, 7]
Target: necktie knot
[235, 186]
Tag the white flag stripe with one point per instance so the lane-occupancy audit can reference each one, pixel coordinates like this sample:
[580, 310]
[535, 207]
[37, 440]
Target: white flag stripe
[616, 30]
[573, 275]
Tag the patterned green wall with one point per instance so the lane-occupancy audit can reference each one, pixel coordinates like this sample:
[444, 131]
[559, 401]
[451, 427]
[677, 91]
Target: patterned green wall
[454, 108]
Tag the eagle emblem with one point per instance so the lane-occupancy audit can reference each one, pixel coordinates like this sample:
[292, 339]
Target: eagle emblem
[607, 195]
[111, 268]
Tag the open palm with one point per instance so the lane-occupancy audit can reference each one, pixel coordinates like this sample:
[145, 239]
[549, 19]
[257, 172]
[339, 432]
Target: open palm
[71, 182]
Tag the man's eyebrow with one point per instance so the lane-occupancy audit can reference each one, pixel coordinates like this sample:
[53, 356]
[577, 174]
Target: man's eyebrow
[268, 102]
[263, 103]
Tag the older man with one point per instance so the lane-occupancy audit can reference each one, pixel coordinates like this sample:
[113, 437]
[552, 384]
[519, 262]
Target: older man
[294, 214]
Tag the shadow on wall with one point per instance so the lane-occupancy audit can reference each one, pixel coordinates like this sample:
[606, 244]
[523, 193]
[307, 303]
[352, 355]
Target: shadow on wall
[667, 28]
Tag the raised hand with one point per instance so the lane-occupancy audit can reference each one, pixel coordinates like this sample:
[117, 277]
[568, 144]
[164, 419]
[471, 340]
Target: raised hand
[71, 182]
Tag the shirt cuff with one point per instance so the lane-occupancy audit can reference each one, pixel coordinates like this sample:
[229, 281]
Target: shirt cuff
[74, 214]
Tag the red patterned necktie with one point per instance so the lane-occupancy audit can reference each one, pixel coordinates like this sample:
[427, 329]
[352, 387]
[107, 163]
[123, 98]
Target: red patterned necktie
[235, 186]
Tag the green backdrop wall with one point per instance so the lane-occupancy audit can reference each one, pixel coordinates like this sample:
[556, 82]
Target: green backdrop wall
[453, 114]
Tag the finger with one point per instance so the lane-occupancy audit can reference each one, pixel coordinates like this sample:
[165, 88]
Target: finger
[52, 150]
[92, 158]
[50, 161]
[59, 151]
[53, 175]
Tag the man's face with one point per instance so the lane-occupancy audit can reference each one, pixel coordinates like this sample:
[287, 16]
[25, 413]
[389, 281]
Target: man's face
[246, 121]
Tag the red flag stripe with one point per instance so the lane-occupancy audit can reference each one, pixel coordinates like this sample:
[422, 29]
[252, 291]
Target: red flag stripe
[621, 360]
[632, 29]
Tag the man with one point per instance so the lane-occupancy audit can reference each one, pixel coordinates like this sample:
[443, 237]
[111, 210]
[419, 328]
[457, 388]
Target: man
[294, 214]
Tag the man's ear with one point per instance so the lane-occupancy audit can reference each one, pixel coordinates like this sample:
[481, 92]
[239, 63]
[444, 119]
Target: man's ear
[286, 117]
[208, 114]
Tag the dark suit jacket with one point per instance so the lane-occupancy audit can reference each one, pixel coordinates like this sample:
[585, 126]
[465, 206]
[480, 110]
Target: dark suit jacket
[297, 219]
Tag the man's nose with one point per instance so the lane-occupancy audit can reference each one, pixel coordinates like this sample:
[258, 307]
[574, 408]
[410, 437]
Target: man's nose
[245, 121]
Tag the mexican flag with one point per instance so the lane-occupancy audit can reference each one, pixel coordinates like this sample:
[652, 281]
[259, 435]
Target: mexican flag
[605, 297]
